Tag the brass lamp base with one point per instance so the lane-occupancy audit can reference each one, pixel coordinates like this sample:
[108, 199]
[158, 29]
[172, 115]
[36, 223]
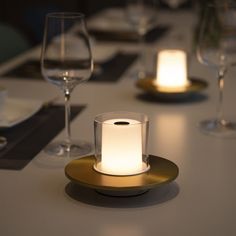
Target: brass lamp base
[148, 85]
[81, 171]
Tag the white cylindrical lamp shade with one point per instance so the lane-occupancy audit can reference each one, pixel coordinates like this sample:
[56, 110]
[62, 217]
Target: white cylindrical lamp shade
[171, 69]
[121, 146]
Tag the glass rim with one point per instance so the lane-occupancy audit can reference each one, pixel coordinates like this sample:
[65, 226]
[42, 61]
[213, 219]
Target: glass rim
[65, 15]
[143, 118]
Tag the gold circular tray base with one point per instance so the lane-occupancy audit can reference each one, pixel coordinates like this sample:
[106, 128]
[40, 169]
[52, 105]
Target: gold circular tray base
[147, 84]
[81, 171]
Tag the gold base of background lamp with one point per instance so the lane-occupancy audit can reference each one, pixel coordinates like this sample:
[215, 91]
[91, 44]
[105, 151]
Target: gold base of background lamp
[148, 85]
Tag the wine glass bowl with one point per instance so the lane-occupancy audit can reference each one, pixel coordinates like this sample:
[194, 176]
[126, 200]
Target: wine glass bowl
[141, 16]
[217, 49]
[66, 61]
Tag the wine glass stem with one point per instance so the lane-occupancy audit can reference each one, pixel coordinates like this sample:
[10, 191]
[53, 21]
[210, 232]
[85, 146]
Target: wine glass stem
[221, 75]
[67, 120]
[142, 55]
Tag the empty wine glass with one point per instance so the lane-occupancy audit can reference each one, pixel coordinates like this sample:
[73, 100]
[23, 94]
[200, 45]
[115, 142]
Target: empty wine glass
[141, 15]
[217, 50]
[66, 61]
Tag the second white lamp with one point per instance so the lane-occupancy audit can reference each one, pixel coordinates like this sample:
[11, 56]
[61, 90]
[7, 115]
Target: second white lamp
[171, 70]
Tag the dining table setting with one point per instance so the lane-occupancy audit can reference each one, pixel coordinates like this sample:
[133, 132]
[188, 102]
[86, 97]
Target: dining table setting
[121, 123]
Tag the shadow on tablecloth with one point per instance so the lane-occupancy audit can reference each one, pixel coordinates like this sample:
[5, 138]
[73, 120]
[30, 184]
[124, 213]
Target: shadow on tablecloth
[152, 197]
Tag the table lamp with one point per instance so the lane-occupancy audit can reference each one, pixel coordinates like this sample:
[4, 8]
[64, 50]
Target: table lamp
[171, 72]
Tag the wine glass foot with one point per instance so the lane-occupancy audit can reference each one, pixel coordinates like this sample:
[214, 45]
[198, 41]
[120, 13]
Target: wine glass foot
[61, 149]
[137, 74]
[218, 128]
[141, 74]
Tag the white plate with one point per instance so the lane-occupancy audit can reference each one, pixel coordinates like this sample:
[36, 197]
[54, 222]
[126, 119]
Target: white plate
[17, 110]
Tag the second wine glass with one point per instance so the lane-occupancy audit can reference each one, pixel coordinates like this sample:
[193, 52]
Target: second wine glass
[216, 49]
[141, 15]
[66, 61]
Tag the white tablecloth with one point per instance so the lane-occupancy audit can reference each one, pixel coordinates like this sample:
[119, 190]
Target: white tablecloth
[201, 202]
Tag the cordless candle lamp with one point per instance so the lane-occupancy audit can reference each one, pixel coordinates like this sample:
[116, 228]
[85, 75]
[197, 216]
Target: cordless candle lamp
[120, 143]
[171, 81]
[121, 165]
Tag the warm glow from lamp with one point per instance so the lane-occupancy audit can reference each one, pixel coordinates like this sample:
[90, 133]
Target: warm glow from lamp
[121, 151]
[172, 70]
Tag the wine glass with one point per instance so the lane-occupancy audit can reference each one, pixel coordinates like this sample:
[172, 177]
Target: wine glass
[66, 61]
[141, 15]
[216, 49]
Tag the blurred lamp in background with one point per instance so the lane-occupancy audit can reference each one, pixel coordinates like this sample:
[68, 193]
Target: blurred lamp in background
[171, 70]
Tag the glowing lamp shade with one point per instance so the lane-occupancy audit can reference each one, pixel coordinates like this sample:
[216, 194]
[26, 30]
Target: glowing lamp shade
[120, 143]
[171, 69]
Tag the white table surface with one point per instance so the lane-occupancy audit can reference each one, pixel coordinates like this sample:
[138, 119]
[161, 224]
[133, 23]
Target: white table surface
[201, 202]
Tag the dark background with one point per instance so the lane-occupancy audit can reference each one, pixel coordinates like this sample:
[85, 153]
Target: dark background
[28, 16]
[26, 19]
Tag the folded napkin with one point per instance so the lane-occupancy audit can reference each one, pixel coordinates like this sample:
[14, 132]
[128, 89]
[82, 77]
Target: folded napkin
[128, 36]
[27, 139]
[110, 71]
